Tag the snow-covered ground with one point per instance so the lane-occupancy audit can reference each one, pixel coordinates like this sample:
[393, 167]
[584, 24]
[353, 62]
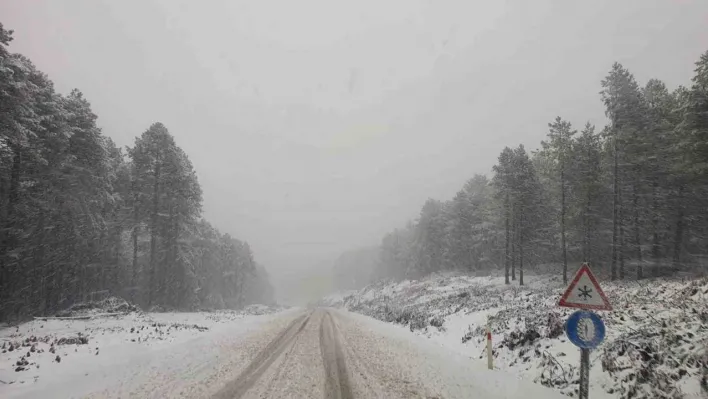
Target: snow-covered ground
[299, 353]
[138, 354]
[655, 347]
[657, 334]
[403, 365]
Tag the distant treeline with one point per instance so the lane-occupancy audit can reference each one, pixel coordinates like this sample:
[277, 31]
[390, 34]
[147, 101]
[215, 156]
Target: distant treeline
[631, 198]
[81, 220]
[353, 269]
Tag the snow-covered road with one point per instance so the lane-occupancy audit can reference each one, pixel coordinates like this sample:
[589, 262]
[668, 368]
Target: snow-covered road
[334, 354]
[316, 353]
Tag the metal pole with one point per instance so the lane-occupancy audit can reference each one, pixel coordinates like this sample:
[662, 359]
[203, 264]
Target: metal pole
[584, 373]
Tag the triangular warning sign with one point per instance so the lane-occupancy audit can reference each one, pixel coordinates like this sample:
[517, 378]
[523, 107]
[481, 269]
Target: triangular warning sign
[584, 292]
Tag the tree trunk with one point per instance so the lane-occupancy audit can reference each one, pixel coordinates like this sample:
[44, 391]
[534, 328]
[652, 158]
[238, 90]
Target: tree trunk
[655, 227]
[506, 246]
[135, 234]
[564, 254]
[3, 224]
[513, 245]
[7, 236]
[620, 251]
[49, 284]
[586, 235]
[178, 266]
[72, 284]
[615, 205]
[521, 248]
[637, 236]
[40, 268]
[50, 277]
[678, 235]
[153, 228]
[14, 193]
[168, 288]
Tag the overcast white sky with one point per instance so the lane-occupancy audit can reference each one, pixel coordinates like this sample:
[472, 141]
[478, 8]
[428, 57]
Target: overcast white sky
[318, 125]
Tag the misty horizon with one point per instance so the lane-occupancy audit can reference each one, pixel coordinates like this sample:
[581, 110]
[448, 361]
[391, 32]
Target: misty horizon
[319, 127]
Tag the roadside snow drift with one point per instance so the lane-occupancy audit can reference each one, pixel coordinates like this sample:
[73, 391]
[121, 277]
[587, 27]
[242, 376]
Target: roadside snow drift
[91, 349]
[656, 344]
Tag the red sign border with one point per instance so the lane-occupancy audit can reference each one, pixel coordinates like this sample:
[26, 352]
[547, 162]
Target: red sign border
[584, 268]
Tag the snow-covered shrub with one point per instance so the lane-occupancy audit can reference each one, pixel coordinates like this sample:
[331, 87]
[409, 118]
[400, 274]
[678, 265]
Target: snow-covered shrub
[553, 373]
[109, 305]
[520, 337]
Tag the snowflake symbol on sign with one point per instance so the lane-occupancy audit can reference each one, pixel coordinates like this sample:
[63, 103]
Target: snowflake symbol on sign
[585, 293]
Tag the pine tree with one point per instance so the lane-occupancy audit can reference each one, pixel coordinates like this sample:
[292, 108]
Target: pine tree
[75, 217]
[430, 240]
[587, 190]
[692, 146]
[504, 183]
[559, 148]
[662, 122]
[166, 186]
[625, 108]
[396, 253]
[526, 204]
[651, 158]
[468, 226]
[459, 231]
[694, 122]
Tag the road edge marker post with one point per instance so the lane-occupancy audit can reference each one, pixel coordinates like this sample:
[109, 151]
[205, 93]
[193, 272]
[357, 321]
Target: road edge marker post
[584, 328]
[490, 357]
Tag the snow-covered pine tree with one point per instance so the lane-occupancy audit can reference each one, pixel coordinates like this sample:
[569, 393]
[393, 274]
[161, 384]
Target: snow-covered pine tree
[558, 147]
[624, 106]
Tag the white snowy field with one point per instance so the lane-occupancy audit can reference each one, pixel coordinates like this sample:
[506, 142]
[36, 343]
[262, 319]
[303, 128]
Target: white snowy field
[656, 344]
[298, 353]
[409, 339]
[136, 355]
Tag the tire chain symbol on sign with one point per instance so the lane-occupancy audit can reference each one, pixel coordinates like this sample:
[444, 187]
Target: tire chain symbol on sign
[586, 329]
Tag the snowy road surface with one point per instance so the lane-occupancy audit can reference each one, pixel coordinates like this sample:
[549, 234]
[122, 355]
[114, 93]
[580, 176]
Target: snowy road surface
[330, 354]
[321, 353]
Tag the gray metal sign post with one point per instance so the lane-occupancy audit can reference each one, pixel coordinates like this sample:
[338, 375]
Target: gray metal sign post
[585, 329]
[584, 373]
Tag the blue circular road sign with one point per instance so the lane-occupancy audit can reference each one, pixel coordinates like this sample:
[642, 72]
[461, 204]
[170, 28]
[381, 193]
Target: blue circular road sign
[585, 329]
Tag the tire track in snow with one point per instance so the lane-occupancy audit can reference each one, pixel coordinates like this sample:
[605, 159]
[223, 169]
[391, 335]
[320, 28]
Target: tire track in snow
[280, 371]
[265, 358]
[337, 382]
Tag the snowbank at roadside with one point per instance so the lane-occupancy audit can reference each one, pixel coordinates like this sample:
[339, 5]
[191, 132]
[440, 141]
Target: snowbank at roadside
[422, 368]
[657, 336]
[89, 348]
